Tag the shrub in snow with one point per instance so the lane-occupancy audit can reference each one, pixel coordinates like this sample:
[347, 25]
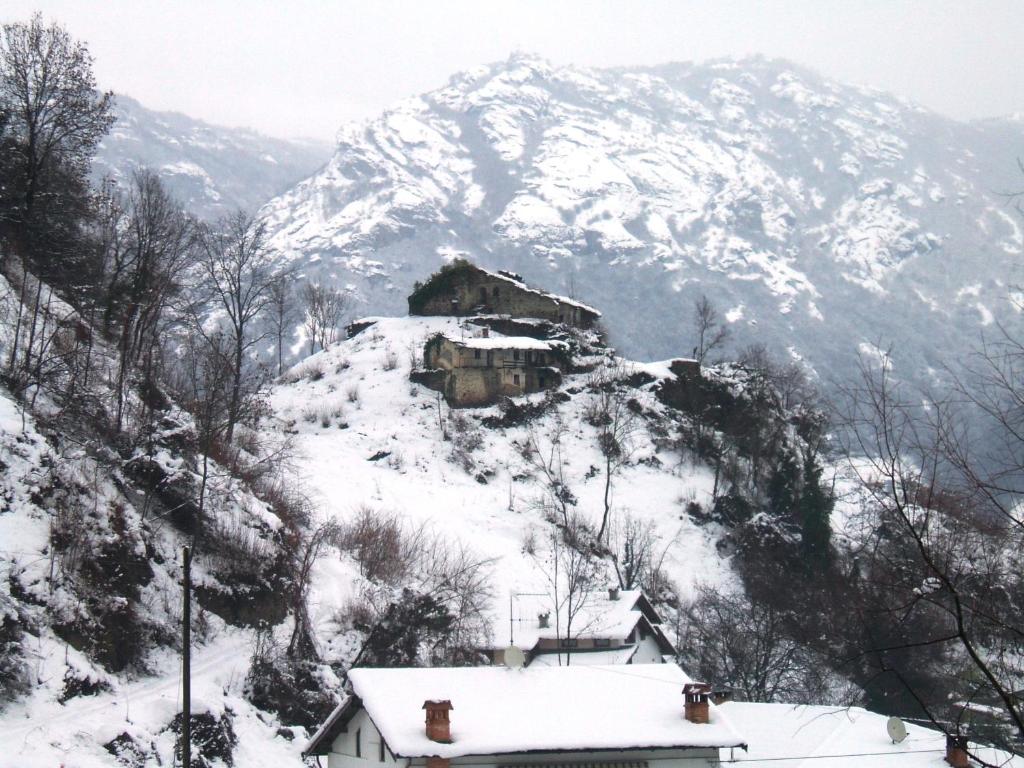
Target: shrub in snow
[15, 678]
[81, 685]
[294, 689]
[213, 739]
[127, 751]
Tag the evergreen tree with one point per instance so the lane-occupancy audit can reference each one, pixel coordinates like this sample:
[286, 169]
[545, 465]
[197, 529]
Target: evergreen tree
[815, 508]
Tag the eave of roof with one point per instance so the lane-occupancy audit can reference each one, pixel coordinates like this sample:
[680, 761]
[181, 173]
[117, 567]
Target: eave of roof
[333, 725]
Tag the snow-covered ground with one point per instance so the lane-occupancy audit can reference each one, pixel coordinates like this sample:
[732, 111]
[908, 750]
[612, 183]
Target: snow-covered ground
[354, 401]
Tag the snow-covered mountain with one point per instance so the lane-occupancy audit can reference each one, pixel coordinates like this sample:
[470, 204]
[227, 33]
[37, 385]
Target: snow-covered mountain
[211, 169]
[820, 218]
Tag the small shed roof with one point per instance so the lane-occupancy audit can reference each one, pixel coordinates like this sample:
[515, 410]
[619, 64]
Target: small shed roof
[599, 616]
[501, 711]
[499, 342]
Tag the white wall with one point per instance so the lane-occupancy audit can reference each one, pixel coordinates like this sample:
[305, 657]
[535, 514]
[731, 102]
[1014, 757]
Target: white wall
[647, 652]
[343, 750]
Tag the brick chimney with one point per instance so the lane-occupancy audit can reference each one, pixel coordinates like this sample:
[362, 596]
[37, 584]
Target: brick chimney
[544, 620]
[696, 696]
[439, 727]
[956, 752]
[613, 593]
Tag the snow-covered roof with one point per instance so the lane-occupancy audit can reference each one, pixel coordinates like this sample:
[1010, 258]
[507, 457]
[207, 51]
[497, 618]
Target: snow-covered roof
[788, 736]
[499, 342]
[599, 616]
[586, 657]
[508, 278]
[498, 711]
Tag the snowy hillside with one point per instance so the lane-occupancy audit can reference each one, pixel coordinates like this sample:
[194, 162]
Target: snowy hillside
[822, 218]
[209, 168]
[367, 436]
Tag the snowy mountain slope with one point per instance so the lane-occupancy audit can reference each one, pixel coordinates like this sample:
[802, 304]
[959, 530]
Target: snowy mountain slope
[820, 216]
[90, 573]
[209, 168]
[367, 436]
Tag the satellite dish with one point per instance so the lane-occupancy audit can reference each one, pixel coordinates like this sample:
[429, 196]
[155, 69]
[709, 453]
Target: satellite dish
[897, 730]
[514, 658]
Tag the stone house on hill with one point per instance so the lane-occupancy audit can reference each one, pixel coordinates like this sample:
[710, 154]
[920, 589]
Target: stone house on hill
[462, 289]
[472, 371]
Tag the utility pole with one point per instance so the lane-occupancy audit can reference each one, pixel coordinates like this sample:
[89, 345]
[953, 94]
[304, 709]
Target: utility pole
[186, 663]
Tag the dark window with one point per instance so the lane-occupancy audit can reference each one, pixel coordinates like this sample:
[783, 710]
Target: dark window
[568, 642]
[515, 378]
[380, 750]
[515, 354]
[529, 357]
[359, 743]
[483, 294]
[494, 293]
[476, 353]
[540, 358]
[602, 642]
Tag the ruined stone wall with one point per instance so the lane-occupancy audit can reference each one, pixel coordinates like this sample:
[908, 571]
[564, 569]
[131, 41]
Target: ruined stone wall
[473, 292]
[469, 380]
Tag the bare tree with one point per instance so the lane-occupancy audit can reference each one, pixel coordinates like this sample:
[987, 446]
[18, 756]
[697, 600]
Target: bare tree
[709, 331]
[747, 646]
[308, 548]
[572, 572]
[941, 543]
[54, 112]
[610, 412]
[283, 311]
[237, 268]
[543, 457]
[325, 310]
[148, 241]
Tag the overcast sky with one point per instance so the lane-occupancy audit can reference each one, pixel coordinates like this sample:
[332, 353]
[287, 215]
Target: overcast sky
[302, 67]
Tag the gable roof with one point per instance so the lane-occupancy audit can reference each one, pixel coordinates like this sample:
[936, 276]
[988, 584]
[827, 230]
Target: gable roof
[498, 711]
[796, 736]
[599, 616]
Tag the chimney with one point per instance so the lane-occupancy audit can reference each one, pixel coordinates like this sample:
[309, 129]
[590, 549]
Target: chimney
[696, 696]
[544, 620]
[956, 752]
[613, 593]
[439, 727]
[487, 333]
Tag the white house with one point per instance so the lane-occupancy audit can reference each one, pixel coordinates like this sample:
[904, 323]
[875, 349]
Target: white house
[611, 627]
[791, 736]
[497, 717]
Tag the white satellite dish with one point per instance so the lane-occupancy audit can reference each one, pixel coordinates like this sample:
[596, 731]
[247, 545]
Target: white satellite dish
[897, 730]
[514, 658]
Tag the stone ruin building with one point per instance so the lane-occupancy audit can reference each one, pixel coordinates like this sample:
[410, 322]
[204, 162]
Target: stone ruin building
[475, 367]
[461, 289]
